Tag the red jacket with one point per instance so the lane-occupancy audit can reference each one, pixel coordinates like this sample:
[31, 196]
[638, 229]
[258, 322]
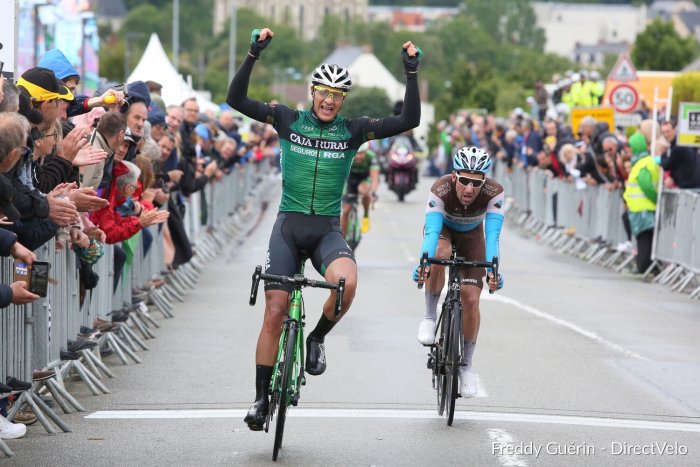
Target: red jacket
[115, 226]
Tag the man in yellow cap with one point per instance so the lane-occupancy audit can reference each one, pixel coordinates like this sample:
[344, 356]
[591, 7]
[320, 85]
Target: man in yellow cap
[45, 90]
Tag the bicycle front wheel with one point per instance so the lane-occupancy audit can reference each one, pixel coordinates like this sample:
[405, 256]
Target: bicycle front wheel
[285, 394]
[453, 351]
[439, 365]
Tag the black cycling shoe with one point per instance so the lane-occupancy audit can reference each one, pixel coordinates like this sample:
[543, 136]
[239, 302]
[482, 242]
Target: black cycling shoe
[257, 414]
[315, 356]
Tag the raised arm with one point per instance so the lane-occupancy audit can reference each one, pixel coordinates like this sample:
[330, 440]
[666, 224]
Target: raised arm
[238, 90]
[410, 113]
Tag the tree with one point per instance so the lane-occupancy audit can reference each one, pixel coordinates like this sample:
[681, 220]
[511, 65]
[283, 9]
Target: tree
[507, 21]
[366, 102]
[686, 88]
[660, 48]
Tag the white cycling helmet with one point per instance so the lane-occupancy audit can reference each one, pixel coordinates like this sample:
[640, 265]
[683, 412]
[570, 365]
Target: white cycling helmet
[472, 159]
[333, 76]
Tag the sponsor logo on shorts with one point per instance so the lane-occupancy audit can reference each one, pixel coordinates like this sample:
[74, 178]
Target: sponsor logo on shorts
[469, 280]
[267, 260]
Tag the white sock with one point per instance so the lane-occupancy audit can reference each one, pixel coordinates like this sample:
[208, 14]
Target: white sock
[468, 352]
[431, 302]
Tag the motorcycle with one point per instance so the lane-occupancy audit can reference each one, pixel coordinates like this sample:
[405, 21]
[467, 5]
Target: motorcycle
[402, 173]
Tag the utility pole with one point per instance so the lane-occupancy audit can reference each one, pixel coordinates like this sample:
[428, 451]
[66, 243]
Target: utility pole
[232, 43]
[176, 34]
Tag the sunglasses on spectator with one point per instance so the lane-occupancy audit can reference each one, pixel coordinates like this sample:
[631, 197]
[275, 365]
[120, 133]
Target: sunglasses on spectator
[466, 181]
[335, 94]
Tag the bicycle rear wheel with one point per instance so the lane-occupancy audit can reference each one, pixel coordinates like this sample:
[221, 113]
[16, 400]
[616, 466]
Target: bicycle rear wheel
[453, 351]
[285, 396]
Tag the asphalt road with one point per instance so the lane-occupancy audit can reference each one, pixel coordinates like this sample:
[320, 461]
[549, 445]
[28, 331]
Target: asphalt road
[577, 366]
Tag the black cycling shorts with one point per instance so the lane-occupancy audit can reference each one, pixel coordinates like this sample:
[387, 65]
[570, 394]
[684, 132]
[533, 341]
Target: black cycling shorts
[296, 235]
[355, 179]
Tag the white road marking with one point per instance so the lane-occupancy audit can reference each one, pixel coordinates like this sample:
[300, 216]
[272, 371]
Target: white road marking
[507, 456]
[561, 322]
[402, 244]
[409, 414]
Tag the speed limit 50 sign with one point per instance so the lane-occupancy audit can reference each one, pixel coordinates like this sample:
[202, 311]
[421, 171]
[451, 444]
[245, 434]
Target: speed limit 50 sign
[624, 98]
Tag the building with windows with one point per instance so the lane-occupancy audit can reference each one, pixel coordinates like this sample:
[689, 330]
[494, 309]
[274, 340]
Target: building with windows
[306, 16]
[568, 26]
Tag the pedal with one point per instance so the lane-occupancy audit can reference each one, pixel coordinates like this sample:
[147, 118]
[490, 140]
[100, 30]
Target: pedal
[295, 400]
[431, 362]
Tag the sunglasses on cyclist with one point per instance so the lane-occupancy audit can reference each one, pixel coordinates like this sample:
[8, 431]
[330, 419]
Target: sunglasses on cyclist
[475, 182]
[335, 94]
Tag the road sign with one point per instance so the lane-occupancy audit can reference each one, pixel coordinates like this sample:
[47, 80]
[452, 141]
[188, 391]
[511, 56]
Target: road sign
[689, 124]
[624, 98]
[623, 71]
[600, 114]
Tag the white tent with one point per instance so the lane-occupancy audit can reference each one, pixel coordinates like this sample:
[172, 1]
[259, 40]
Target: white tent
[156, 66]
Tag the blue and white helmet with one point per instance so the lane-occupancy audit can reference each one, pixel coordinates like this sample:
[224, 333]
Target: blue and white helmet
[472, 159]
[333, 76]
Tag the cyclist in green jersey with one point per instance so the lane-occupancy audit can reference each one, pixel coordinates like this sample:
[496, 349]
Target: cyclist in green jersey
[317, 147]
[363, 182]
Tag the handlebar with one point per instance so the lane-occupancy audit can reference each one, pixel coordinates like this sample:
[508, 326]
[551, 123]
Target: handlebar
[459, 263]
[300, 281]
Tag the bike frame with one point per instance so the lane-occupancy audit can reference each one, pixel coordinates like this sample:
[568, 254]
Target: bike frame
[285, 388]
[295, 317]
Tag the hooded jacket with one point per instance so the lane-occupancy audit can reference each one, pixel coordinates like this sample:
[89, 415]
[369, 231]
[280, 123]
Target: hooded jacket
[57, 62]
[116, 227]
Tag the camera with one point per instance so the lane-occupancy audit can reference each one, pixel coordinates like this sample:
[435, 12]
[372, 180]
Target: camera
[35, 276]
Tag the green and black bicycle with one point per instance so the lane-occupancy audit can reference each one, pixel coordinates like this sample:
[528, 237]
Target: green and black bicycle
[288, 372]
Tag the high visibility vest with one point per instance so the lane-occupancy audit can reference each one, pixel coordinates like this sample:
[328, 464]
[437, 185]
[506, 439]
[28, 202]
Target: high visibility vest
[576, 94]
[634, 196]
[586, 96]
[598, 91]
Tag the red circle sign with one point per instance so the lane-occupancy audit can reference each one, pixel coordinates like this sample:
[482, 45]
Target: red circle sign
[624, 98]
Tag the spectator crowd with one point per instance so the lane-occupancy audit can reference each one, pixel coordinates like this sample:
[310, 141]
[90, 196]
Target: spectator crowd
[593, 154]
[85, 171]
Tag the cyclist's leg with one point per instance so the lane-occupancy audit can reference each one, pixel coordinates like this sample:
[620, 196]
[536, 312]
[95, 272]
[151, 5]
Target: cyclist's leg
[433, 288]
[282, 259]
[470, 245]
[333, 259]
[347, 206]
[436, 280]
[349, 196]
[363, 191]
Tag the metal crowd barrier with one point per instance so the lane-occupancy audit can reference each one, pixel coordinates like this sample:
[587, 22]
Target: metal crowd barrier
[675, 240]
[588, 224]
[33, 336]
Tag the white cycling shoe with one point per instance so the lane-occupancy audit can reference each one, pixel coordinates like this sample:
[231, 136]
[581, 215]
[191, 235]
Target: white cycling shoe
[467, 382]
[426, 332]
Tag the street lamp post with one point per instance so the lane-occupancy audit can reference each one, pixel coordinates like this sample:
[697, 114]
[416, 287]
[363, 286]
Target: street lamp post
[176, 34]
[127, 51]
[232, 43]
